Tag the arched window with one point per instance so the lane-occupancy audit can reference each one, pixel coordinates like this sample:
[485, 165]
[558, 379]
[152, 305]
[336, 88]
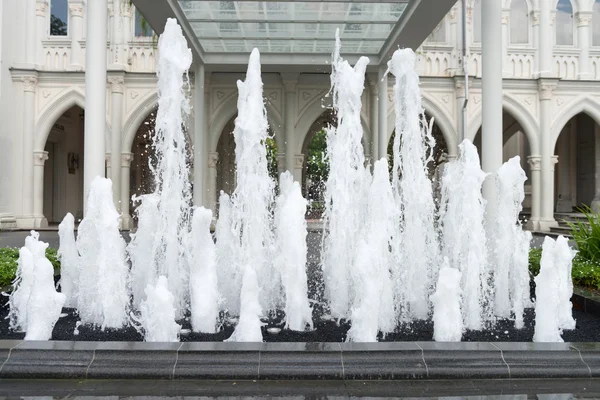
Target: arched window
[564, 23]
[142, 28]
[59, 17]
[596, 24]
[476, 17]
[519, 22]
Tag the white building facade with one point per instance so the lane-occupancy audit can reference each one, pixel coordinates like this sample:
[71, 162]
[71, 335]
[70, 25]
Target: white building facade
[550, 57]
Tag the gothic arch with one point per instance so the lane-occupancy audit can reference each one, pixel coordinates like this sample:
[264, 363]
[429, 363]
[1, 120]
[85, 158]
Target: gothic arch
[136, 117]
[582, 104]
[53, 112]
[519, 113]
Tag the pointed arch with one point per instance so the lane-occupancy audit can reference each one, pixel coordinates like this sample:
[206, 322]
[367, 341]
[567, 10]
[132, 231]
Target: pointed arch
[136, 118]
[53, 111]
[582, 104]
[518, 112]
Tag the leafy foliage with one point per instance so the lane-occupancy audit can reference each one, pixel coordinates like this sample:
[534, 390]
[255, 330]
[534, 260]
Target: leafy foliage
[272, 158]
[587, 235]
[57, 26]
[317, 166]
[8, 263]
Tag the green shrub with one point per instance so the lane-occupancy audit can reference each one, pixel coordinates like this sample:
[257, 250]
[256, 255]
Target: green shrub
[8, 263]
[587, 235]
[535, 256]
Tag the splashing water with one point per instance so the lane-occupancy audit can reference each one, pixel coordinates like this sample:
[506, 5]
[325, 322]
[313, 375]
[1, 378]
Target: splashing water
[553, 311]
[464, 240]
[249, 326]
[291, 232]
[374, 306]
[413, 143]
[253, 198]
[447, 318]
[102, 296]
[69, 260]
[346, 184]
[171, 172]
[229, 274]
[21, 290]
[204, 294]
[158, 313]
[509, 244]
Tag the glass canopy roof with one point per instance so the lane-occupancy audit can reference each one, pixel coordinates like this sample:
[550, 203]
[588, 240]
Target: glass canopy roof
[287, 27]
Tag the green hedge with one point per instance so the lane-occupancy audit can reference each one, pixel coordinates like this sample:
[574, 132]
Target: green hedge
[585, 272]
[8, 263]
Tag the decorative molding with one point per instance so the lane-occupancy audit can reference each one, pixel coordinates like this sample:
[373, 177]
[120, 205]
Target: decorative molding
[560, 101]
[546, 89]
[583, 18]
[213, 158]
[535, 162]
[46, 93]
[41, 8]
[126, 159]
[126, 10]
[505, 17]
[290, 81]
[446, 98]
[29, 83]
[133, 94]
[299, 161]
[273, 96]
[117, 84]
[76, 9]
[535, 18]
[39, 158]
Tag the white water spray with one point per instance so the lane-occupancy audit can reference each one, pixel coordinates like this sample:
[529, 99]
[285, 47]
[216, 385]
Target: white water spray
[290, 234]
[229, 273]
[22, 285]
[447, 318]
[102, 296]
[158, 313]
[346, 184]
[464, 239]
[69, 260]
[204, 294]
[413, 145]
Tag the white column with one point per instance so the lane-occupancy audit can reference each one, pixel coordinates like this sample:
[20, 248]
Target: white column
[298, 165]
[382, 114]
[29, 87]
[583, 19]
[280, 163]
[459, 93]
[373, 115]
[545, 39]
[30, 27]
[199, 133]
[563, 147]
[41, 12]
[596, 202]
[213, 158]
[108, 168]
[535, 37]
[117, 84]
[95, 94]
[126, 159]
[505, 42]
[126, 11]
[455, 35]
[547, 173]
[491, 87]
[76, 32]
[536, 191]
[118, 56]
[39, 158]
[290, 84]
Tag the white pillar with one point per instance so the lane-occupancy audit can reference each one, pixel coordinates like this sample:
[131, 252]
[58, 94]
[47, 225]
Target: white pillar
[199, 133]
[290, 84]
[382, 114]
[547, 173]
[29, 87]
[505, 42]
[117, 84]
[535, 37]
[583, 19]
[95, 94]
[280, 163]
[213, 158]
[107, 171]
[41, 12]
[30, 27]
[298, 165]
[126, 13]
[563, 148]
[596, 202]
[491, 87]
[39, 158]
[374, 115]
[536, 191]
[126, 159]
[76, 32]
[459, 93]
[119, 60]
[545, 39]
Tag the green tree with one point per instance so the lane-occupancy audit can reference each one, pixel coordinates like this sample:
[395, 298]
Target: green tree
[57, 26]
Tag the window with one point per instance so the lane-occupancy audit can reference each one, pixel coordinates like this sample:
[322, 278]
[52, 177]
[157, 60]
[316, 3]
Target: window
[519, 22]
[476, 18]
[564, 23]
[142, 28]
[59, 18]
[596, 24]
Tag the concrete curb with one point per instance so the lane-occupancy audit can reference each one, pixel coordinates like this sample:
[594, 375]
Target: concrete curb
[298, 361]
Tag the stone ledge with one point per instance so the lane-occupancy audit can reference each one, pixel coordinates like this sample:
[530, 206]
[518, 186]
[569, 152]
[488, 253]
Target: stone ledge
[298, 361]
